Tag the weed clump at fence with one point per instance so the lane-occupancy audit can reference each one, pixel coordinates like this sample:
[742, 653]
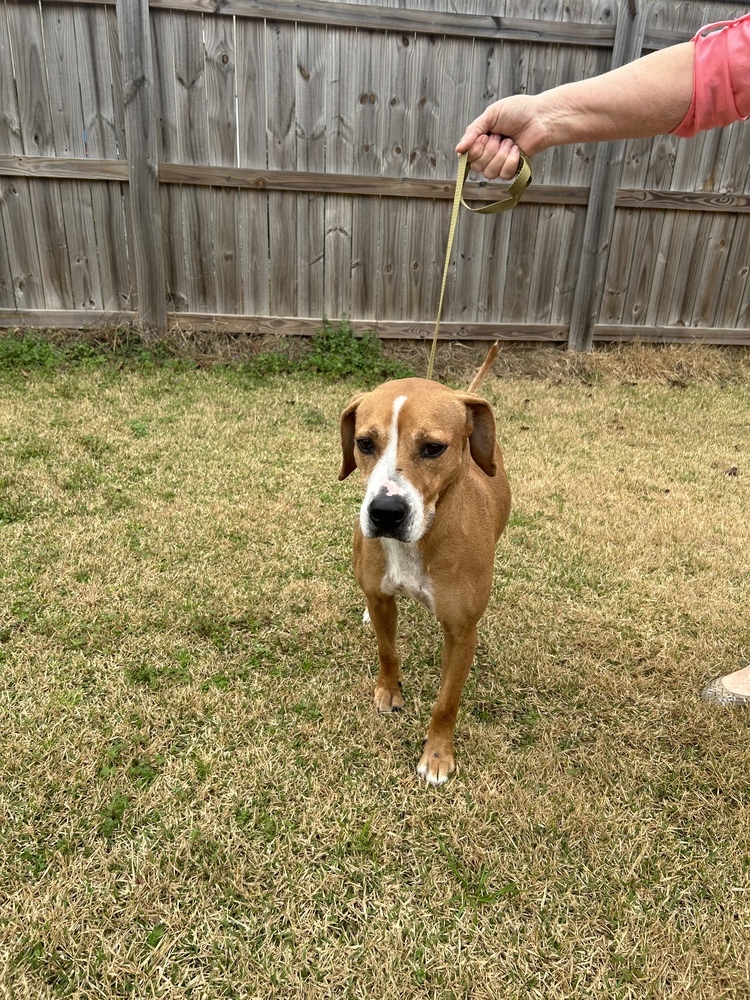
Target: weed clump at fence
[337, 352]
[334, 351]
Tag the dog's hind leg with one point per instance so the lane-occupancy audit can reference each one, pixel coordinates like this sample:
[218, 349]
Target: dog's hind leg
[384, 616]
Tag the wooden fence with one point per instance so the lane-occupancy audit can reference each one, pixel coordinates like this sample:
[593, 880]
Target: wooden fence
[250, 166]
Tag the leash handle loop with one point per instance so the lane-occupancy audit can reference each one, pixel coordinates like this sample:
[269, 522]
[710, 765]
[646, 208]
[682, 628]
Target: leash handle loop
[511, 199]
[513, 195]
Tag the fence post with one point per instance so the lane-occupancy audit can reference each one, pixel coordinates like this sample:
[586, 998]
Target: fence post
[145, 237]
[600, 215]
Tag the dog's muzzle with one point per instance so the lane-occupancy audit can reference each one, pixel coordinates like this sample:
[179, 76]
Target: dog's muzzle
[388, 515]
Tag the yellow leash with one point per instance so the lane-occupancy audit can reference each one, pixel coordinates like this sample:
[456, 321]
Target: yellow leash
[511, 199]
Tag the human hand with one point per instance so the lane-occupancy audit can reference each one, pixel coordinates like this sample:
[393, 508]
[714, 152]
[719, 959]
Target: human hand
[494, 139]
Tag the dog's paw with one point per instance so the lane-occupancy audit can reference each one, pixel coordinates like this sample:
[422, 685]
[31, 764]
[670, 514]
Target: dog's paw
[436, 765]
[388, 699]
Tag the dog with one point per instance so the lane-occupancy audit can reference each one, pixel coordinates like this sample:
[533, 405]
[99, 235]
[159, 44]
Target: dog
[437, 500]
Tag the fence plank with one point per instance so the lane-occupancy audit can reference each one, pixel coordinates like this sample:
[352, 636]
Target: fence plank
[145, 207]
[15, 255]
[222, 150]
[177, 281]
[339, 157]
[42, 213]
[99, 118]
[69, 133]
[367, 158]
[647, 164]
[425, 230]
[381, 186]
[736, 288]
[390, 329]
[65, 319]
[192, 132]
[398, 51]
[281, 62]
[622, 333]
[253, 206]
[412, 19]
[311, 156]
[452, 106]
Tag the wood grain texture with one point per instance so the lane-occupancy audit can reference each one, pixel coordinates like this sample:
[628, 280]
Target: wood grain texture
[393, 330]
[305, 167]
[252, 150]
[70, 139]
[437, 22]
[393, 18]
[96, 78]
[340, 112]
[281, 60]
[36, 210]
[623, 333]
[367, 158]
[311, 79]
[387, 329]
[19, 258]
[176, 278]
[65, 319]
[220, 71]
[145, 204]
[397, 55]
[401, 187]
[192, 131]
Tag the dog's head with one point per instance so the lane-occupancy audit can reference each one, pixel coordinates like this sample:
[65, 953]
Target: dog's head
[411, 438]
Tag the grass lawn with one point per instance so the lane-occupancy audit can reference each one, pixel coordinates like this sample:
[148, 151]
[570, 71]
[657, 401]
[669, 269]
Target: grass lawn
[197, 798]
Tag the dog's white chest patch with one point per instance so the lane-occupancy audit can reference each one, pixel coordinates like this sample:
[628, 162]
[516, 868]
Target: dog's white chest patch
[404, 573]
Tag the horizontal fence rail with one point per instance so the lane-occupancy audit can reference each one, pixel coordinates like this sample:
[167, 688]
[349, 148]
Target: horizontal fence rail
[255, 167]
[391, 187]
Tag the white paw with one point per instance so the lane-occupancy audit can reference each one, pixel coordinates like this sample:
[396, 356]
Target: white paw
[366, 617]
[436, 767]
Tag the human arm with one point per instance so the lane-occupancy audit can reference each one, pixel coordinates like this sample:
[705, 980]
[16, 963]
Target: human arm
[627, 103]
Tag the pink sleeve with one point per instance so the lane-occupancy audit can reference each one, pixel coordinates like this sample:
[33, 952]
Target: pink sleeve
[721, 78]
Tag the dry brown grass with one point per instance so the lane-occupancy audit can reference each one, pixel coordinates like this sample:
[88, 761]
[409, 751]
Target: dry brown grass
[197, 798]
[628, 363]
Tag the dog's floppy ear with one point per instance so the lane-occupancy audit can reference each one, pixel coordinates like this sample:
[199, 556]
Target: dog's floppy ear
[348, 465]
[482, 433]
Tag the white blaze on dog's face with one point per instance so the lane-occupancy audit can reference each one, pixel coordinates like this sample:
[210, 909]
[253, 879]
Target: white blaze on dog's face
[410, 439]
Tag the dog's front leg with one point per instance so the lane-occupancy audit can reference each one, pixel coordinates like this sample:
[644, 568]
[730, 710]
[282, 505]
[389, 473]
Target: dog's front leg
[437, 761]
[384, 615]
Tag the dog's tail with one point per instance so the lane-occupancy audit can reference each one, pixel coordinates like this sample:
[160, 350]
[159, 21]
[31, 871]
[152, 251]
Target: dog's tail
[488, 362]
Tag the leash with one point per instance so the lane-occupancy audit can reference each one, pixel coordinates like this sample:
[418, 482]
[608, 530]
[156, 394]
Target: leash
[511, 199]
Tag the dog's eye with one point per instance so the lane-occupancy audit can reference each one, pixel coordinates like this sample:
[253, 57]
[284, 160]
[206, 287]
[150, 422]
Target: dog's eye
[432, 449]
[366, 445]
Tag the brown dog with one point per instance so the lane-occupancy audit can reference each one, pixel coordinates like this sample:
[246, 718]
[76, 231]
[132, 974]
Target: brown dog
[437, 501]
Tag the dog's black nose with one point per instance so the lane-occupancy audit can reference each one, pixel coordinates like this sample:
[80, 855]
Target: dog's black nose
[387, 513]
